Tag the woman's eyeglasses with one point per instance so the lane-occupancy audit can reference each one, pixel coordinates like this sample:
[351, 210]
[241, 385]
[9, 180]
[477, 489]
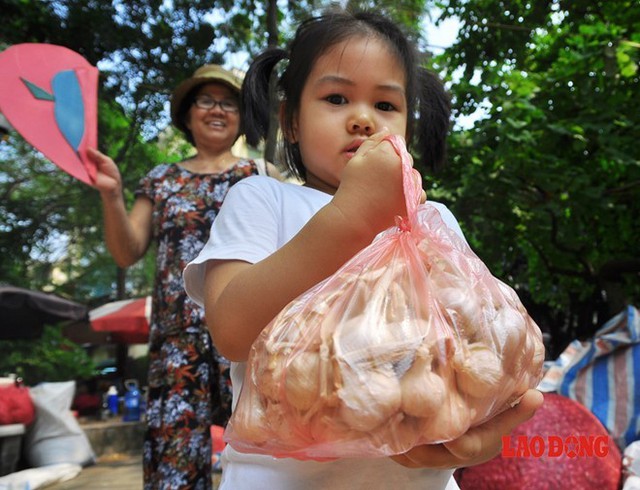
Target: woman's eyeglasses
[207, 103]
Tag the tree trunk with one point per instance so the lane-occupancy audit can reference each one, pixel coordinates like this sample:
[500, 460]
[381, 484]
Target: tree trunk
[122, 350]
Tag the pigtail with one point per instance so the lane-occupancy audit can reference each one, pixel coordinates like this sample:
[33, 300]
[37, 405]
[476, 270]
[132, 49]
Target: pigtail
[254, 96]
[434, 118]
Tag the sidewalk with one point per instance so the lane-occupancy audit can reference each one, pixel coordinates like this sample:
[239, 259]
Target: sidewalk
[114, 473]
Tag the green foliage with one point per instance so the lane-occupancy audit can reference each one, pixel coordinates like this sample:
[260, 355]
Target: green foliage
[49, 358]
[543, 182]
[408, 13]
[52, 224]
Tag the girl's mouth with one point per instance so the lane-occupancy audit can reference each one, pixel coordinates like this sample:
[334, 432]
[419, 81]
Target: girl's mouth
[353, 148]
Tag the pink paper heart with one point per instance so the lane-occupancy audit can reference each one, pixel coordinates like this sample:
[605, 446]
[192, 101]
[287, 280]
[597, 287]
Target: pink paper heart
[49, 94]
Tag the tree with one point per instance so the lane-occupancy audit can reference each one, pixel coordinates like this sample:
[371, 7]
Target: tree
[51, 232]
[143, 48]
[50, 222]
[545, 180]
[49, 358]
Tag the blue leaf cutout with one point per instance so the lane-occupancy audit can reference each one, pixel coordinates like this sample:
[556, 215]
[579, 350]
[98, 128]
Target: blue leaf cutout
[69, 107]
[36, 91]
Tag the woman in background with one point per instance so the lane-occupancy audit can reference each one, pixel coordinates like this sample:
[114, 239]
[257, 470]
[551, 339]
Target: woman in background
[175, 206]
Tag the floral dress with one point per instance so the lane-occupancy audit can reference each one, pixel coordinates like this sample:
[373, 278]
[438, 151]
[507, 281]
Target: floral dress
[188, 390]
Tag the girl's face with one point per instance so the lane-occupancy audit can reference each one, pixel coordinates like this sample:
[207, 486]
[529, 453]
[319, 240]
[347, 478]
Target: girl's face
[214, 127]
[354, 90]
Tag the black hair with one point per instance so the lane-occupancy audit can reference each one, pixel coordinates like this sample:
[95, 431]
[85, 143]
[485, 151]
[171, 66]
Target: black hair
[183, 110]
[428, 104]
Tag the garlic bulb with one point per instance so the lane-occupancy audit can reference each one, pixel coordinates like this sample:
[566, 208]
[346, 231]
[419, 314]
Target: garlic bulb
[330, 380]
[527, 375]
[423, 391]
[464, 306]
[509, 331]
[361, 339]
[530, 357]
[323, 301]
[269, 379]
[478, 370]
[326, 427]
[371, 275]
[281, 425]
[534, 342]
[396, 304]
[452, 420]
[399, 434]
[509, 296]
[354, 300]
[302, 380]
[369, 397]
[249, 421]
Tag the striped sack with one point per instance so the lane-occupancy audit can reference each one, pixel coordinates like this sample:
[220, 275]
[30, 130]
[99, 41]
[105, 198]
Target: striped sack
[603, 374]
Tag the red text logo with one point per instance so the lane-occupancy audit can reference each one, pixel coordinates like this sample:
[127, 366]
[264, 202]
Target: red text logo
[555, 446]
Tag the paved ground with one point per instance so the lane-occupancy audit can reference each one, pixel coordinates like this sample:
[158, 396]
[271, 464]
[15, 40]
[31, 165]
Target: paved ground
[114, 473]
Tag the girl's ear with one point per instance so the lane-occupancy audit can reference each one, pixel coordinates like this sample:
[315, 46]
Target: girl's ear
[289, 131]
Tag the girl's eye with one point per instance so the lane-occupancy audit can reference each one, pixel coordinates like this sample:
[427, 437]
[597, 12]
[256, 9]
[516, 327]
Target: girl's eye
[336, 99]
[385, 106]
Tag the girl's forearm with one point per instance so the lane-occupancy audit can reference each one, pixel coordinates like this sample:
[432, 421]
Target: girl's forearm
[242, 301]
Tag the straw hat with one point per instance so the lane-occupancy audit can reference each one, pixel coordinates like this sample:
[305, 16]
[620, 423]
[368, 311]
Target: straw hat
[204, 74]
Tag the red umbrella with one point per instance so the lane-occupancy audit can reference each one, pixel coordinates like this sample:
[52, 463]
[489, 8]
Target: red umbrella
[127, 320]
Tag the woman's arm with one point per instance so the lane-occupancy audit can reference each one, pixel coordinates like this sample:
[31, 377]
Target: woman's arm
[127, 235]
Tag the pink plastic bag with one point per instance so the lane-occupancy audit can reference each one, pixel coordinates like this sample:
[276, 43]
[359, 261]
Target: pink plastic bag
[412, 341]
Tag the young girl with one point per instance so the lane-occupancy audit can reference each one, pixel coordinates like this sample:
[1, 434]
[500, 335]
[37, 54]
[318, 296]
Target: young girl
[350, 81]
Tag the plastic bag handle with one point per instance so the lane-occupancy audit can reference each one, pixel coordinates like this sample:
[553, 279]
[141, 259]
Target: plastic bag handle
[411, 185]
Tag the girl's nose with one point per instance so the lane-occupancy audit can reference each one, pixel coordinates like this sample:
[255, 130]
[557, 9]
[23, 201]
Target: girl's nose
[362, 123]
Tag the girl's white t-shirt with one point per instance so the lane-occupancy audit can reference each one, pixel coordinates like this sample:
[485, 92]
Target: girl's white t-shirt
[260, 215]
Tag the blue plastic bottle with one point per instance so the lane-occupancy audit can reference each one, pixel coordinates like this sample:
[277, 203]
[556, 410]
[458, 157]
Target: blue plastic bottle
[131, 401]
[112, 400]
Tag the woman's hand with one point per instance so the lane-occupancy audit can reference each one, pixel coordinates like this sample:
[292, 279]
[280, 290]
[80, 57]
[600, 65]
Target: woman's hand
[478, 445]
[108, 178]
[127, 235]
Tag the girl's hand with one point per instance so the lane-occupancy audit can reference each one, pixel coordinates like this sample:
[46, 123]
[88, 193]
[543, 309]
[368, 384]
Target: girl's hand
[108, 178]
[478, 445]
[371, 192]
